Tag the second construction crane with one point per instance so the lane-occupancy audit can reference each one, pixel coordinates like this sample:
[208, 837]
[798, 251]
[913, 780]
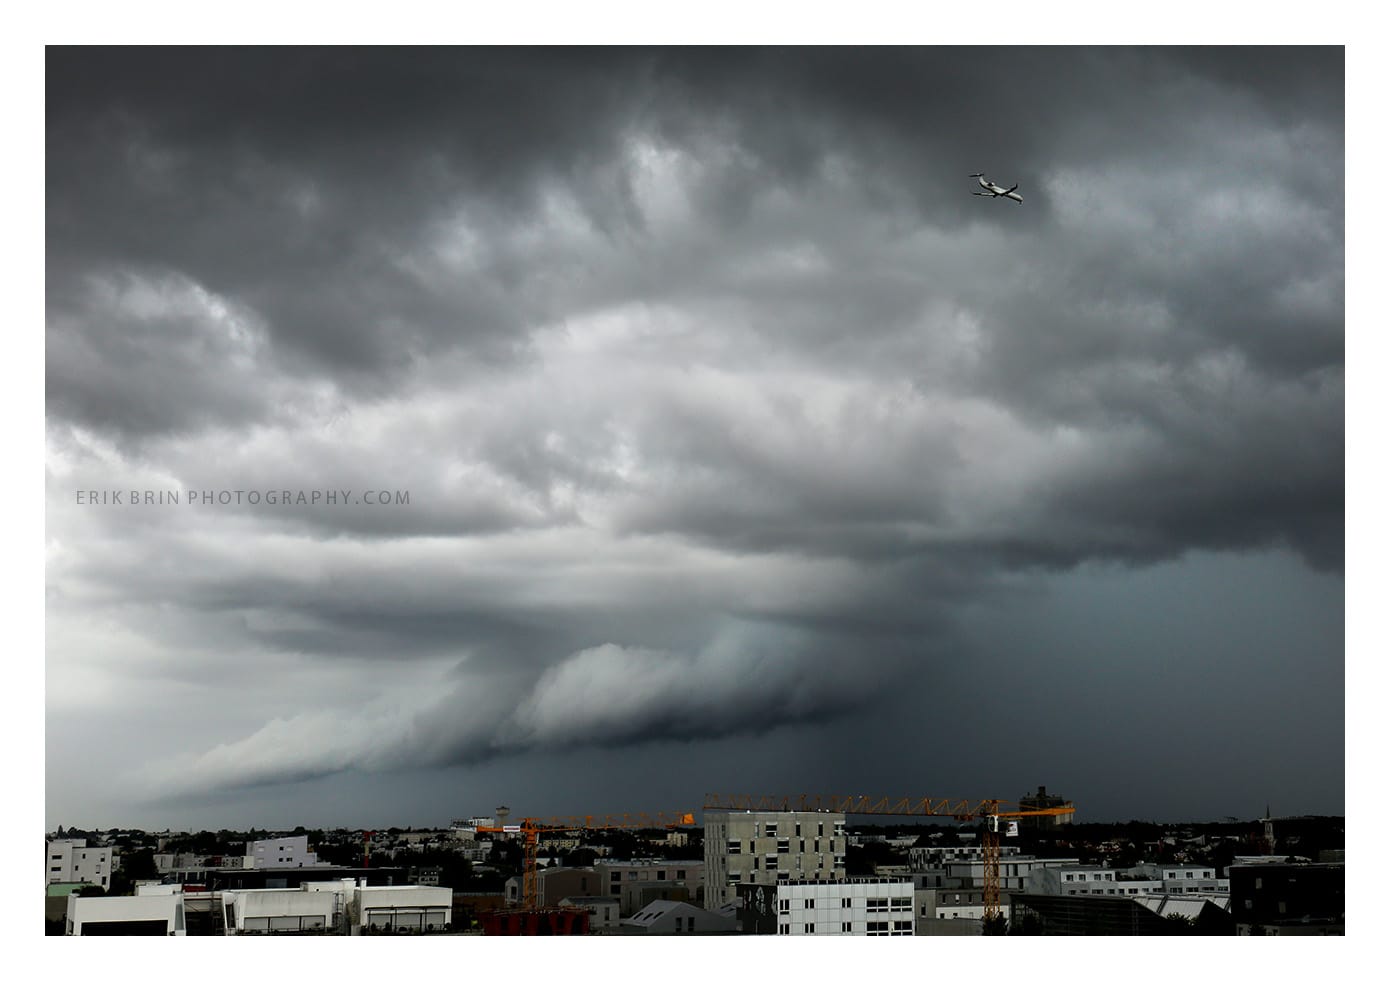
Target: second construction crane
[530, 829]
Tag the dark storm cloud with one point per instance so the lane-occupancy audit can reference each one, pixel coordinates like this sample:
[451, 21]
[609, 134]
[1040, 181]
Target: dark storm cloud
[716, 393]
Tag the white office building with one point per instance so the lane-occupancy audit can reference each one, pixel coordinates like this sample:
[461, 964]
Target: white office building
[868, 907]
[280, 853]
[70, 860]
[770, 848]
[1074, 880]
[1142, 880]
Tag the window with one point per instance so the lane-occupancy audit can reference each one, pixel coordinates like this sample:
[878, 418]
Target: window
[878, 928]
[771, 864]
[798, 829]
[614, 876]
[735, 846]
[783, 846]
[770, 830]
[846, 928]
[902, 926]
[845, 903]
[660, 875]
[877, 904]
[680, 873]
[1069, 879]
[902, 902]
[55, 868]
[1189, 875]
[784, 928]
[809, 928]
[810, 904]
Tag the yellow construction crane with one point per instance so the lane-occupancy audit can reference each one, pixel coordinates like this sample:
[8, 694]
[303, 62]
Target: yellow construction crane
[531, 829]
[961, 810]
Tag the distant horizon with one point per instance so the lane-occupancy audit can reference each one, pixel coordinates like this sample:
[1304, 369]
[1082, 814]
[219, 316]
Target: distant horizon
[859, 819]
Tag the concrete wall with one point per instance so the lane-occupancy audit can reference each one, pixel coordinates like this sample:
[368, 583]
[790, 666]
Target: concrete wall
[279, 910]
[117, 914]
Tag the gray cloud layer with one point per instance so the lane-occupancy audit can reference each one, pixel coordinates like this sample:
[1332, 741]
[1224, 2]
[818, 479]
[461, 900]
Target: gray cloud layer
[716, 393]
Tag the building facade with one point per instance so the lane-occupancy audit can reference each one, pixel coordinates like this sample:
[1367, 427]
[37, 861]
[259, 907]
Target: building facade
[70, 860]
[1142, 880]
[768, 848]
[1289, 899]
[858, 907]
[637, 882]
[555, 884]
[146, 916]
[280, 853]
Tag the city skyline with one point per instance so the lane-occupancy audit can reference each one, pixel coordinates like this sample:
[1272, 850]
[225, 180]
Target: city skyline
[745, 450]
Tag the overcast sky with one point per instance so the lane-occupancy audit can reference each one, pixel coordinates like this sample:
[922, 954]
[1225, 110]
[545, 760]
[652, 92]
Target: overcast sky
[745, 449]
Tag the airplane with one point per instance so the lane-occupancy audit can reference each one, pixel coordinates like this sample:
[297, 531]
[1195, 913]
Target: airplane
[995, 191]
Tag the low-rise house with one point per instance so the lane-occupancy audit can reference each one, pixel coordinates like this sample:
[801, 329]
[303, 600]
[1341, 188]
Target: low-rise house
[665, 916]
[640, 881]
[603, 912]
[555, 884]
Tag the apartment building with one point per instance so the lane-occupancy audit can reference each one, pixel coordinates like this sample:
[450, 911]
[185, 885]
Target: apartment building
[71, 860]
[768, 848]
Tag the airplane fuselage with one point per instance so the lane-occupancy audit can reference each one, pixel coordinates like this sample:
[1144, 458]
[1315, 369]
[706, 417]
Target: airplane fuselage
[999, 192]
